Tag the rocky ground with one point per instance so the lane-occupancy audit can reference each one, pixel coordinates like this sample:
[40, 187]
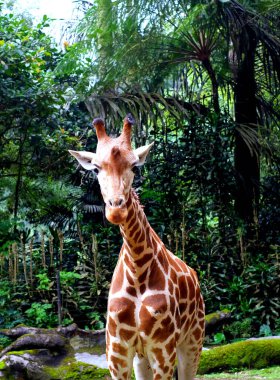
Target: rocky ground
[83, 358]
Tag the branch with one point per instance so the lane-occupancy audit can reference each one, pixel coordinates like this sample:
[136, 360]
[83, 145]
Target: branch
[51, 339]
[215, 320]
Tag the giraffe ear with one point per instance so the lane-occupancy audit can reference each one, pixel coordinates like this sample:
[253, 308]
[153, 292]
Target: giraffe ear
[86, 159]
[142, 153]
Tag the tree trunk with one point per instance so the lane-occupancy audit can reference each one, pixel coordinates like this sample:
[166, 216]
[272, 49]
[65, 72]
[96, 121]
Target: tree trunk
[215, 87]
[246, 161]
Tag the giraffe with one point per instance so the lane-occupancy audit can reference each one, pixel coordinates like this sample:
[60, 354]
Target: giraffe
[155, 308]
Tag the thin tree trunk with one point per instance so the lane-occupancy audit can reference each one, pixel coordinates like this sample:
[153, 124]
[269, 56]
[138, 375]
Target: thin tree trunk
[94, 249]
[51, 250]
[11, 267]
[79, 231]
[2, 263]
[59, 298]
[58, 265]
[19, 178]
[60, 237]
[15, 254]
[183, 233]
[31, 262]
[23, 251]
[43, 252]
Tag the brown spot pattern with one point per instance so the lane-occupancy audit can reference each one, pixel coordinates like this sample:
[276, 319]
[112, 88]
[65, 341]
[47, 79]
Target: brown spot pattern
[130, 290]
[163, 261]
[141, 262]
[112, 327]
[129, 278]
[191, 289]
[118, 281]
[117, 362]
[126, 335]
[157, 302]
[142, 288]
[183, 287]
[119, 349]
[147, 321]
[157, 279]
[124, 308]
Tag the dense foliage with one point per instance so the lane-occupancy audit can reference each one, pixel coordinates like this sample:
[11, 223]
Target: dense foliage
[210, 189]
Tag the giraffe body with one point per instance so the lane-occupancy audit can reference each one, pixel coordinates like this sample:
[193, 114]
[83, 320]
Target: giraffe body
[155, 308]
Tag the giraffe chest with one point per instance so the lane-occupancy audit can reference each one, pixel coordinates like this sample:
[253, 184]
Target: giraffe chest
[141, 322]
[142, 315]
[140, 312]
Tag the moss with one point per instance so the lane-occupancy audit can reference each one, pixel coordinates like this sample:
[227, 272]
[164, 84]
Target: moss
[215, 316]
[23, 352]
[248, 354]
[72, 370]
[4, 372]
[2, 365]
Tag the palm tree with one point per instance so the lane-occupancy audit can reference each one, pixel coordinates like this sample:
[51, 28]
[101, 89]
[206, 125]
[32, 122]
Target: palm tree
[256, 68]
[182, 54]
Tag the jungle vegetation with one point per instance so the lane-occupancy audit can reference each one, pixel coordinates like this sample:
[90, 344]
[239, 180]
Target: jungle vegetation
[201, 78]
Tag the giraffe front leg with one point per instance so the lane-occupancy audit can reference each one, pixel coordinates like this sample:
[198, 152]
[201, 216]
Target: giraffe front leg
[119, 354]
[120, 361]
[162, 363]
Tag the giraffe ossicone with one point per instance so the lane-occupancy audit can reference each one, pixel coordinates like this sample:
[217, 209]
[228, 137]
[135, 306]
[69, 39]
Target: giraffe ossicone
[155, 307]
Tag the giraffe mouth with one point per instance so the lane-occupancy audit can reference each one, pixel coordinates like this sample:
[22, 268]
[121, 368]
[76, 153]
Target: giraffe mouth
[116, 215]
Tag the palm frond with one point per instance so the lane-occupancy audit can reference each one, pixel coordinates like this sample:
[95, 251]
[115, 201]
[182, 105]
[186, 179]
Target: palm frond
[250, 136]
[241, 20]
[145, 107]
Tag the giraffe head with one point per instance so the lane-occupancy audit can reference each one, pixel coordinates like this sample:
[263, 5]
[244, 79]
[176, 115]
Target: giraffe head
[113, 163]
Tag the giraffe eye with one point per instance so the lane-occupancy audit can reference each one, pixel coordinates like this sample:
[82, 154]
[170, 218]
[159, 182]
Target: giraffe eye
[96, 170]
[135, 169]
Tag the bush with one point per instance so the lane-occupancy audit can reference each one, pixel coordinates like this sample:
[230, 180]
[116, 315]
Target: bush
[41, 315]
[240, 329]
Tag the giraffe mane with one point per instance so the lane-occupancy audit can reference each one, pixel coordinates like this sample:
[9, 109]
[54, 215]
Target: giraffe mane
[136, 197]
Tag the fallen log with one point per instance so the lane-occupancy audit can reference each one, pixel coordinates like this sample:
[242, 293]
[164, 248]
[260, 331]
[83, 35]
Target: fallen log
[215, 320]
[53, 342]
[28, 338]
[20, 330]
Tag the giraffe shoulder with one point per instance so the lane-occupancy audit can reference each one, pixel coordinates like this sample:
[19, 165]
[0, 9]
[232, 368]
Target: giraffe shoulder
[177, 264]
[118, 278]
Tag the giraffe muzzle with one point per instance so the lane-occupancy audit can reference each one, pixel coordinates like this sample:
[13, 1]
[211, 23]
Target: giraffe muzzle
[116, 211]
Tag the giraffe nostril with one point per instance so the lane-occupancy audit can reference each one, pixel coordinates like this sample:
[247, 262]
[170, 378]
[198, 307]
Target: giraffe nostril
[116, 202]
[120, 202]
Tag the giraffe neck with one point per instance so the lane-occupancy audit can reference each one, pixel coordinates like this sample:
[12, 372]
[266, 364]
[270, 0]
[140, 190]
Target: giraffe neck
[138, 236]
